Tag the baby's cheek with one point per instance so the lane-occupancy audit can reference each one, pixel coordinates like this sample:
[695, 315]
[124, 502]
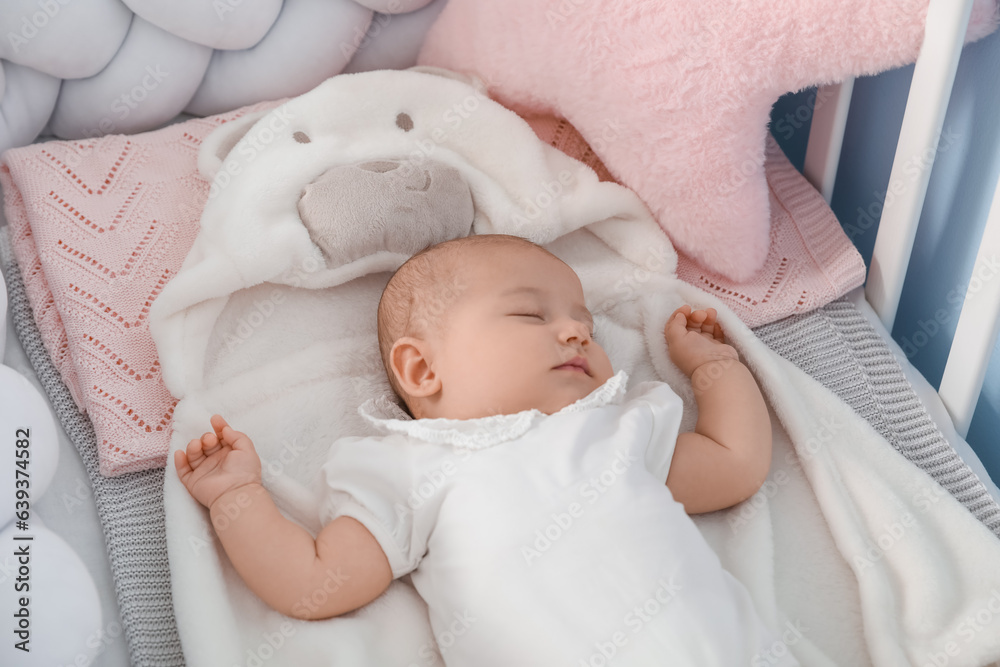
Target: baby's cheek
[603, 368]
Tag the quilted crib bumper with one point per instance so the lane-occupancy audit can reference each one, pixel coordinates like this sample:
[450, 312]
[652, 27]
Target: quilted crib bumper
[85, 69]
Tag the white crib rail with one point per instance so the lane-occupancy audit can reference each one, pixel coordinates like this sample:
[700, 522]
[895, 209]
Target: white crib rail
[826, 135]
[927, 103]
[978, 325]
[930, 91]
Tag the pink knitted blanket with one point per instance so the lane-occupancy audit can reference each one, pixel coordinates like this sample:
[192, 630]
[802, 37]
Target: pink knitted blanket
[100, 226]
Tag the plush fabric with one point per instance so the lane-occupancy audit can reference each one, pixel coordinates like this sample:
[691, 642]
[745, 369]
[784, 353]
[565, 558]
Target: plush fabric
[87, 68]
[349, 197]
[819, 546]
[674, 96]
[810, 261]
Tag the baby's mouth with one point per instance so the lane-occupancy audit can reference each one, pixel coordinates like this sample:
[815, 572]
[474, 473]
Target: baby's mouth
[575, 365]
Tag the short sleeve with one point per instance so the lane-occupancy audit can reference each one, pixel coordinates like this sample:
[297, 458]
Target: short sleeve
[370, 480]
[666, 409]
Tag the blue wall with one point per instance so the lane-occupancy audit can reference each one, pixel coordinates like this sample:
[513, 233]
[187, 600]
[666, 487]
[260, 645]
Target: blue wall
[958, 199]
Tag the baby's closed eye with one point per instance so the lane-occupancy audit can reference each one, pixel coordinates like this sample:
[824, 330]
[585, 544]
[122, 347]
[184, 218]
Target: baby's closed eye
[540, 316]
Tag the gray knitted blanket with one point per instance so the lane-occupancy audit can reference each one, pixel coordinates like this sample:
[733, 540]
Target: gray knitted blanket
[834, 344]
[838, 347]
[130, 506]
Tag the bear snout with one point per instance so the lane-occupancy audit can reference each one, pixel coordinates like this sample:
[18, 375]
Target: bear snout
[352, 211]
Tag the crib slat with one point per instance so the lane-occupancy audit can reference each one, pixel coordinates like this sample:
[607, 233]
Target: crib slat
[977, 330]
[926, 104]
[826, 135]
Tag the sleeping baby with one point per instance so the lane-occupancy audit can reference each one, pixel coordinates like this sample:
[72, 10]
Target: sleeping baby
[539, 504]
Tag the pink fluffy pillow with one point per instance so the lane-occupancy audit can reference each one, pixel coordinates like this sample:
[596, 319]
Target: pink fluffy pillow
[675, 95]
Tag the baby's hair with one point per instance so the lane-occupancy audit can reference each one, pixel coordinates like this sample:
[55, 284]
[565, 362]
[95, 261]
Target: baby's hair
[417, 297]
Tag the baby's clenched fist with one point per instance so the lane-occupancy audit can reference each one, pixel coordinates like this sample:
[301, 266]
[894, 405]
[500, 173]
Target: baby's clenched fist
[217, 462]
[695, 338]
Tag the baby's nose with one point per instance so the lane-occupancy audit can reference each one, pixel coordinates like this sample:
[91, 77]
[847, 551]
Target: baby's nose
[577, 331]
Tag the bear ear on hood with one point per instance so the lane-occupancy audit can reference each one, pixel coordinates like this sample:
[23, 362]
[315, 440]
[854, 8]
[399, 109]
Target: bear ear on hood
[469, 79]
[217, 145]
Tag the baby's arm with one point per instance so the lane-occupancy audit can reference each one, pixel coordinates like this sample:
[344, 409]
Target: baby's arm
[342, 569]
[725, 460]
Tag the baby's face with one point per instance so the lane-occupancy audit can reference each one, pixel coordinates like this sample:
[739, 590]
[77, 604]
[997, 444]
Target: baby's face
[519, 337]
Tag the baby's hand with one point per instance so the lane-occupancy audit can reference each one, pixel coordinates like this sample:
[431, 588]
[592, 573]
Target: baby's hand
[217, 462]
[695, 338]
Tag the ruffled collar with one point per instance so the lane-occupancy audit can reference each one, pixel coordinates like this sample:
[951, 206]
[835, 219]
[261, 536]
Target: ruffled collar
[385, 414]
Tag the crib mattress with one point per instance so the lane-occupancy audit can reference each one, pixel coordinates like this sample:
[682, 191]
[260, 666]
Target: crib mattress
[836, 344]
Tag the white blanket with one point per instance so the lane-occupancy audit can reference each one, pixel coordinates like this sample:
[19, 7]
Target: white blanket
[851, 553]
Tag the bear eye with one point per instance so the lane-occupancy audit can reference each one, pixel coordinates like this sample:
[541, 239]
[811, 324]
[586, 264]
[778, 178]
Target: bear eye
[301, 137]
[404, 122]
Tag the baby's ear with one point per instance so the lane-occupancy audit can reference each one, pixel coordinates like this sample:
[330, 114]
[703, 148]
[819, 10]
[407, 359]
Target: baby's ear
[409, 360]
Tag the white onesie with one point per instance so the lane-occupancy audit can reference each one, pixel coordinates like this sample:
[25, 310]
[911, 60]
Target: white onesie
[548, 539]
